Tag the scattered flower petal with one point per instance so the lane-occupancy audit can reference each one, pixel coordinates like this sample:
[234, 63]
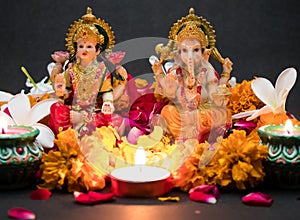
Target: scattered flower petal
[169, 198]
[257, 199]
[248, 126]
[40, 194]
[21, 213]
[202, 197]
[204, 193]
[208, 189]
[92, 198]
[101, 196]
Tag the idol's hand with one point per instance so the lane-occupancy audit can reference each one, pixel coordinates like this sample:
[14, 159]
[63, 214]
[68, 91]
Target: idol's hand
[107, 108]
[170, 85]
[157, 68]
[59, 85]
[227, 65]
[75, 117]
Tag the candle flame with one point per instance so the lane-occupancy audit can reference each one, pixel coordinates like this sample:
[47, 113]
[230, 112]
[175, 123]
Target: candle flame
[140, 156]
[288, 127]
[3, 125]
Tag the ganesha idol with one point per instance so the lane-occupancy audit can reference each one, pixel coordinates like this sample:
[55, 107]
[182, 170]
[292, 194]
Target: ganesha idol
[196, 94]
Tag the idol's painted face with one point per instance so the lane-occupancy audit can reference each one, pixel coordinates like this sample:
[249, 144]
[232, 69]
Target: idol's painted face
[190, 51]
[86, 50]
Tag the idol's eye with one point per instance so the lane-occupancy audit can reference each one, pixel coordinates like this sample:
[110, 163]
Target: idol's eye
[89, 46]
[184, 50]
[196, 50]
[80, 46]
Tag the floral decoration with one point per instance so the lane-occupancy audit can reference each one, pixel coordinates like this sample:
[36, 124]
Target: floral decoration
[238, 163]
[243, 98]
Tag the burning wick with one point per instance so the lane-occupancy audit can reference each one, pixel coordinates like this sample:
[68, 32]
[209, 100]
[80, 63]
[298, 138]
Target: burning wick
[288, 127]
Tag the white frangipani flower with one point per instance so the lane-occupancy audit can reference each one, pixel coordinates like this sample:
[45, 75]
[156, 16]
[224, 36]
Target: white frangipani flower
[273, 97]
[22, 114]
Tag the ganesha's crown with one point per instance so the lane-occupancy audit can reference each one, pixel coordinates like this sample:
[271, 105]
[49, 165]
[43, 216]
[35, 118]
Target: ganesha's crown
[197, 27]
[191, 30]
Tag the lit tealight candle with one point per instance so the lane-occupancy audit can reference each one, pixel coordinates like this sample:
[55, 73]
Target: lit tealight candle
[140, 180]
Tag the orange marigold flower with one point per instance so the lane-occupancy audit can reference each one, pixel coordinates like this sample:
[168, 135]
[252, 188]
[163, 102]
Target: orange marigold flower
[243, 98]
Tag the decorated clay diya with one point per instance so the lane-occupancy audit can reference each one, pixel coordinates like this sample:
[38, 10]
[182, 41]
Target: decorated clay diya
[20, 156]
[283, 166]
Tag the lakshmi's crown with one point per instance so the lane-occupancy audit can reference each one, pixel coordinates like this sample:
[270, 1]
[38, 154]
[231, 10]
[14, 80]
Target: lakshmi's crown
[90, 27]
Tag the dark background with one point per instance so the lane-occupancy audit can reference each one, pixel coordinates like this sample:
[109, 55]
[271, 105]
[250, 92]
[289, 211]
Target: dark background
[261, 37]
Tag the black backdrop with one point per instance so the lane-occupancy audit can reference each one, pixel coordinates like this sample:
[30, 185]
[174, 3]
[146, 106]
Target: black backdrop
[261, 37]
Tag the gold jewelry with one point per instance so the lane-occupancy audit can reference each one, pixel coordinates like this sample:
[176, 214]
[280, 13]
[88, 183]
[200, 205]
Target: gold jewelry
[225, 74]
[192, 22]
[191, 30]
[90, 27]
[84, 80]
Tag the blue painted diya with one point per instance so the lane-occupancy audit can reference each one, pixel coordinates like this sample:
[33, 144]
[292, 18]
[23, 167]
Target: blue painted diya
[20, 157]
[283, 165]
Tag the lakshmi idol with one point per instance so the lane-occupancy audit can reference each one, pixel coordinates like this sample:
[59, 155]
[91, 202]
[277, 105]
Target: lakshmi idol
[86, 86]
[197, 94]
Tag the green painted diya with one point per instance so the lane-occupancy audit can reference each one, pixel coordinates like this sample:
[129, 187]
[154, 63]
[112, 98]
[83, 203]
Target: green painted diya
[283, 165]
[20, 156]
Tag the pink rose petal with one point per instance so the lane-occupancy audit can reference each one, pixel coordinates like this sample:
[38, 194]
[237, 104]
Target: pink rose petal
[208, 189]
[21, 213]
[40, 194]
[257, 199]
[202, 197]
[204, 193]
[92, 198]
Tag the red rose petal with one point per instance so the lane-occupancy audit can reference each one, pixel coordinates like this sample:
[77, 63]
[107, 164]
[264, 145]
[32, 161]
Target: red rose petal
[92, 197]
[257, 199]
[21, 213]
[98, 197]
[40, 194]
[83, 198]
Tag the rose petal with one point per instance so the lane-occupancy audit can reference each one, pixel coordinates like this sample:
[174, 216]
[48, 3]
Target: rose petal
[40, 194]
[83, 198]
[207, 189]
[248, 126]
[21, 213]
[257, 199]
[92, 198]
[202, 197]
[98, 197]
